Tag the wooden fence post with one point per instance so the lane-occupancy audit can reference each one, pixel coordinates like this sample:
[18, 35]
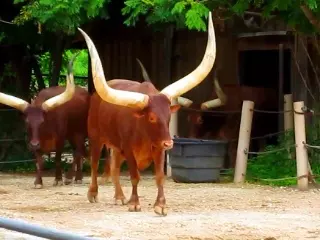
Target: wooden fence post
[288, 112]
[288, 119]
[301, 150]
[173, 128]
[243, 141]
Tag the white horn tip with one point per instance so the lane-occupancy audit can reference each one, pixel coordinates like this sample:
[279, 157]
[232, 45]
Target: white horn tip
[204, 107]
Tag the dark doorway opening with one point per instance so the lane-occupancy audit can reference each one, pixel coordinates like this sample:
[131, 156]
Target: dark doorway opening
[260, 69]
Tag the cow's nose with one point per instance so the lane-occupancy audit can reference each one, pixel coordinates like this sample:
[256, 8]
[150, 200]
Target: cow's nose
[167, 144]
[34, 145]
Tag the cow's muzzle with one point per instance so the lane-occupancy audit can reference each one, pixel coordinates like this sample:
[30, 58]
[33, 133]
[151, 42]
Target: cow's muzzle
[34, 145]
[167, 144]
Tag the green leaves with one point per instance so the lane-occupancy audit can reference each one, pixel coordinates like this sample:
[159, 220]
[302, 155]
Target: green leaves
[312, 4]
[189, 13]
[192, 13]
[194, 17]
[59, 15]
[178, 7]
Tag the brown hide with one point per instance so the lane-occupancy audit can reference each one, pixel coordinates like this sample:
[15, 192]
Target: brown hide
[139, 136]
[226, 125]
[48, 131]
[125, 129]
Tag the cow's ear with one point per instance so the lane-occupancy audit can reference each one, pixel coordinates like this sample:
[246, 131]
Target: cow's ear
[139, 114]
[174, 108]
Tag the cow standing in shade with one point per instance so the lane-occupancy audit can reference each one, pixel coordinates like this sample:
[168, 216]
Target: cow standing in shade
[225, 125]
[56, 114]
[133, 119]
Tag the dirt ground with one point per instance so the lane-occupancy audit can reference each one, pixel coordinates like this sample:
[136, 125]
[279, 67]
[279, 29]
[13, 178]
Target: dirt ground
[195, 211]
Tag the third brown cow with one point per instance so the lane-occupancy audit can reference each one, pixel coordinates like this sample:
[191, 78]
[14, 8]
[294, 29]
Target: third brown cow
[224, 120]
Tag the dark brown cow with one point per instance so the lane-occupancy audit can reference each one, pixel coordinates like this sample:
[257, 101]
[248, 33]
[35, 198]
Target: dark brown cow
[56, 114]
[133, 119]
[226, 125]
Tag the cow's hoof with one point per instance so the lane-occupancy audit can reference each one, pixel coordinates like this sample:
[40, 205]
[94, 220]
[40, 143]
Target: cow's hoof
[38, 186]
[78, 181]
[67, 181]
[162, 211]
[134, 208]
[120, 201]
[57, 182]
[92, 197]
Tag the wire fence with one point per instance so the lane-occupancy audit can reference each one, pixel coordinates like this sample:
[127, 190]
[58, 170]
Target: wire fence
[304, 111]
[68, 157]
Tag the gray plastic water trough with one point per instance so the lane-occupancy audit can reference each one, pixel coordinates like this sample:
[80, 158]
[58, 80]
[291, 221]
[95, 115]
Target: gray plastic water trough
[197, 160]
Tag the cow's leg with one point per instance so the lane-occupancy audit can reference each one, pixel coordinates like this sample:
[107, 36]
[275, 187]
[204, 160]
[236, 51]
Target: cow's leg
[104, 179]
[134, 203]
[160, 203]
[58, 176]
[95, 150]
[39, 165]
[78, 154]
[116, 160]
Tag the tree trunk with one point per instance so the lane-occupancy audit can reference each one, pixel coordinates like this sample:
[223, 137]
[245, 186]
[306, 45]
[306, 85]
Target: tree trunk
[56, 61]
[37, 73]
[311, 17]
[22, 67]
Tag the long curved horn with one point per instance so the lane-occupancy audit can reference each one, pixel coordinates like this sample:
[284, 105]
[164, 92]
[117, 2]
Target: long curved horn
[145, 75]
[66, 95]
[221, 100]
[114, 96]
[199, 74]
[14, 102]
[185, 102]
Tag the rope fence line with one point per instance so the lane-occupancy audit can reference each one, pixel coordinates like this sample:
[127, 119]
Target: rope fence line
[304, 110]
[12, 140]
[33, 160]
[271, 151]
[311, 146]
[286, 178]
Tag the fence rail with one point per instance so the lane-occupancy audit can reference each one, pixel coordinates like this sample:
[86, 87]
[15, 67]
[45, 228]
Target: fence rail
[39, 231]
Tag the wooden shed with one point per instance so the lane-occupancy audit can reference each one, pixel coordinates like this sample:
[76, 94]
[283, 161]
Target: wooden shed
[262, 57]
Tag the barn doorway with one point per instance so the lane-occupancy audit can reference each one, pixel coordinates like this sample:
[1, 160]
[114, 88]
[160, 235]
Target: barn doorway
[260, 68]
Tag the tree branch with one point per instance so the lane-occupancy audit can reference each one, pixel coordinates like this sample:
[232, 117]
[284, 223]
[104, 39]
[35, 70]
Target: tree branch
[311, 17]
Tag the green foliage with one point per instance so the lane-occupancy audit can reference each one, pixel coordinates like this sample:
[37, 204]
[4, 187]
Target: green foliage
[80, 66]
[278, 168]
[192, 13]
[188, 12]
[60, 15]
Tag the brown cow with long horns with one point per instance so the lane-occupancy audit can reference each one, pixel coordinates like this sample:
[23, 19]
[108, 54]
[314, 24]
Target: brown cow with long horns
[56, 114]
[133, 119]
[181, 101]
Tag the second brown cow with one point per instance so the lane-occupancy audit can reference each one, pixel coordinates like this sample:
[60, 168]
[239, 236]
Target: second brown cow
[57, 114]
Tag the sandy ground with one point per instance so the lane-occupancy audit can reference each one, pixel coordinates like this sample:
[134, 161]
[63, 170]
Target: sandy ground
[195, 211]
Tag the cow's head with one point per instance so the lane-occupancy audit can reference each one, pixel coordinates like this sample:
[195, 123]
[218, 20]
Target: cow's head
[154, 110]
[34, 113]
